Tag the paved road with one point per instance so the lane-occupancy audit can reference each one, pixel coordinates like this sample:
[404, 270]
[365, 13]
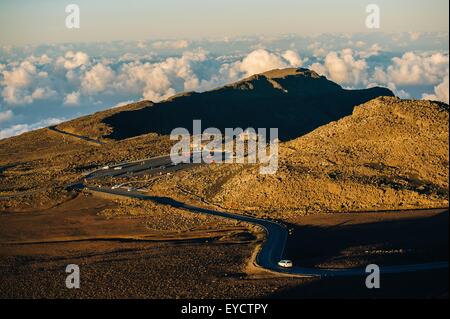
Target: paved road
[84, 138]
[151, 166]
[272, 250]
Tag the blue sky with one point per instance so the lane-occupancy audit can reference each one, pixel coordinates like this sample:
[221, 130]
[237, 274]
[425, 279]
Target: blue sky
[31, 21]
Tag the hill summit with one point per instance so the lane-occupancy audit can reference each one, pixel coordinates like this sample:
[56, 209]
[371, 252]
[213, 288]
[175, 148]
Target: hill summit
[296, 101]
[390, 154]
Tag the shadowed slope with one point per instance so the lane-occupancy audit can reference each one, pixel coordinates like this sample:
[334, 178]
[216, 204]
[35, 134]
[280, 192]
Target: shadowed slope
[294, 100]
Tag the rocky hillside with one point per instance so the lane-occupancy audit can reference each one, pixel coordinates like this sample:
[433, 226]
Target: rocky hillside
[35, 167]
[389, 154]
[294, 100]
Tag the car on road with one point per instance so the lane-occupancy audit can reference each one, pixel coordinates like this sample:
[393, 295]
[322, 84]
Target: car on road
[118, 168]
[131, 189]
[285, 263]
[105, 167]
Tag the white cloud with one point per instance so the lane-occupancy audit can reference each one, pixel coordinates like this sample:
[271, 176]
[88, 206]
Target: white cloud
[12, 95]
[42, 60]
[6, 116]
[18, 129]
[73, 60]
[440, 92]
[414, 36]
[318, 50]
[141, 45]
[293, 58]
[72, 98]
[147, 79]
[260, 61]
[177, 44]
[157, 81]
[372, 51]
[417, 69]
[343, 68]
[257, 61]
[20, 76]
[380, 76]
[15, 83]
[96, 79]
[43, 93]
[400, 93]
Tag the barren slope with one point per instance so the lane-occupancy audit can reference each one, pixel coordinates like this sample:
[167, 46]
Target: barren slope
[35, 167]
[294, 100]
[389, 154]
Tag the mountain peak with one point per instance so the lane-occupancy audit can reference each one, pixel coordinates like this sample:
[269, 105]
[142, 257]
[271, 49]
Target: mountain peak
[276, 76]
[294, 100]
[282, 73]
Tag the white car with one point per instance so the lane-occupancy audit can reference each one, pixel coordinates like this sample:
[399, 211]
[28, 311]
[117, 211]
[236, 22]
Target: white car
[117, 168]
[105, 167]
[131, 189]
[285, 263]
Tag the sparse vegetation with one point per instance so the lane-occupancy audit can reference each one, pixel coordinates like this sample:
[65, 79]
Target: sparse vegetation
[37, 166]
[164, 217]
[390, 154]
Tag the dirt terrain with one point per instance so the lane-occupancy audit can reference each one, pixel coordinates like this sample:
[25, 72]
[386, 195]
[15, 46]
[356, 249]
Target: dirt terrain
[357, 239]
[92, 126]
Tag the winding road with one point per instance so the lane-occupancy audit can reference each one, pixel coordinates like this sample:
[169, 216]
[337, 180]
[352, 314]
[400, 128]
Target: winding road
[54, 128]
[272, 249]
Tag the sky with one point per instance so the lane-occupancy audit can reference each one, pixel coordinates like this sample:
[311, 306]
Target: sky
[126, 51]
[30, 21]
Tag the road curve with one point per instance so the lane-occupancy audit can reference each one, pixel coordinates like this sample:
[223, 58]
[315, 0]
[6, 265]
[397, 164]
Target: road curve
[272, 250]
[54, 128]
